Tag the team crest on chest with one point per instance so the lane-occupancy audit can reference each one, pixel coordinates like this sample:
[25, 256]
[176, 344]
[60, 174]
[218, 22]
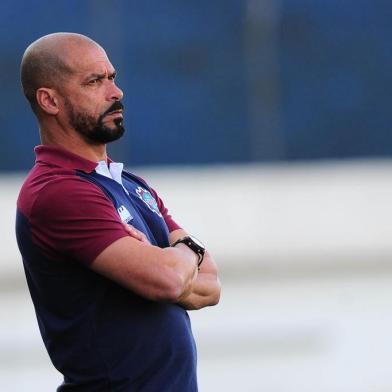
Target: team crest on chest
[146, 196]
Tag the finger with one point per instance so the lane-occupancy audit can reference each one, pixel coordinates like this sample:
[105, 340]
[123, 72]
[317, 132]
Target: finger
[127, 228]
[132, 231]
[135, 233]
[144, 238]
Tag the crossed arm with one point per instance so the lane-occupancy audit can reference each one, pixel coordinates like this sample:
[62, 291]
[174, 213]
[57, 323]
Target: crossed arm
[205, 288]
[168, 274]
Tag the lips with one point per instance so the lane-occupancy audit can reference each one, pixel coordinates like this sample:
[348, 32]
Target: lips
[115, 112]
[116, 108]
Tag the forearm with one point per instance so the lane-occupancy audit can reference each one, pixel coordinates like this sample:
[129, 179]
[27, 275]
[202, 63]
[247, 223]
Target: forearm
[171, 263]
[152, 272]
[163, 274]
[205, 291]
[188, 274]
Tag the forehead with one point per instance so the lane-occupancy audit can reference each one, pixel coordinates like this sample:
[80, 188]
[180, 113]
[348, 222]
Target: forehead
[91, 59]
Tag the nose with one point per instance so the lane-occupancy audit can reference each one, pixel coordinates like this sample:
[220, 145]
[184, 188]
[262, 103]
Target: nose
[116, 94]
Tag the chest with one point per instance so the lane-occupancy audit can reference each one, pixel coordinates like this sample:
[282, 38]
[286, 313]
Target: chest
[135, 205]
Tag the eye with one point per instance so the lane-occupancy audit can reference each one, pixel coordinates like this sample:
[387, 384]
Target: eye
[93, 81]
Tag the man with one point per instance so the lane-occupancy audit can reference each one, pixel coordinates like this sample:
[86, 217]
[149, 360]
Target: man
[109, 291]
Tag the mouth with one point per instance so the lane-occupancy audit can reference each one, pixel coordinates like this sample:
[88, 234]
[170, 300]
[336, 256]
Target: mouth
[117, 113]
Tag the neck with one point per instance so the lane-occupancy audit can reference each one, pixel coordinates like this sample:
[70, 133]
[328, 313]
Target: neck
[75, 143]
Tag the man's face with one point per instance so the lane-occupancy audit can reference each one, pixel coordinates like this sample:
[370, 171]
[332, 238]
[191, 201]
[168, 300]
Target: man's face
[91, 98]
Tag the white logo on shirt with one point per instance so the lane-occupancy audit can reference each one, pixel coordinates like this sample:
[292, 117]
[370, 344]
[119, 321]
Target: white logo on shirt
[125, 215]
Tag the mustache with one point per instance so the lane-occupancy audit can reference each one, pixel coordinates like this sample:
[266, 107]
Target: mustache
[117, 105]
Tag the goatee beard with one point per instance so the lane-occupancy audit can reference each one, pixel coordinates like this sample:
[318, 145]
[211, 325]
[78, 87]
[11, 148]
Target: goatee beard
[94, 131]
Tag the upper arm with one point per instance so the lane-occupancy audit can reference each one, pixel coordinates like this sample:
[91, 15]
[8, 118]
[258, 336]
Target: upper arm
[73, 219]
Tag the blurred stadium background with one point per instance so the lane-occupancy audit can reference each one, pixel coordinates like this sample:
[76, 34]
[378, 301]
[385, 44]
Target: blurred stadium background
[265, 125]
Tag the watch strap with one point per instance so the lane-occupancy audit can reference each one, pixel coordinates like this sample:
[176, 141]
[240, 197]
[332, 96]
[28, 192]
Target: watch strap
[191, 244]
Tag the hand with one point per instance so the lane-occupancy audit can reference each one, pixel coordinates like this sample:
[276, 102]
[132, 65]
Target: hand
[135, 233]
[206, 287]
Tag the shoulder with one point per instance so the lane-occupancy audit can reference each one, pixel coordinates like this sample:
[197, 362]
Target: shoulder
[73, 217]
[60, 192]
[70, 190]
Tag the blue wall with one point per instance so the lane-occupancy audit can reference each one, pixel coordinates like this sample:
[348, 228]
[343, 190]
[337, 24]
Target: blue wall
[185, 70]
[336, 64]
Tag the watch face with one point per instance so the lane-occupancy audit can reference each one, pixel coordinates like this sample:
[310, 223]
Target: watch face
[196, 241]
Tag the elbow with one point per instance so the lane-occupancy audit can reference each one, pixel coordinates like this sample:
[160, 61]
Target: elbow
[216, 297]
[215, 300]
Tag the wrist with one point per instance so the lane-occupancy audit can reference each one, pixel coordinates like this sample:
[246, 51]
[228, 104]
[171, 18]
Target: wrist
[185, 249]
[194, 245]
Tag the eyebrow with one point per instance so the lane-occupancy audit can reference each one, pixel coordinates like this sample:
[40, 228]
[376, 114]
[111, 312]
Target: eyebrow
[100, 76]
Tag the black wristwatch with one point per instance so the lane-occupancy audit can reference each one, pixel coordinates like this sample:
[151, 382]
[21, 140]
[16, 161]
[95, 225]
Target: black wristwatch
[193, 244]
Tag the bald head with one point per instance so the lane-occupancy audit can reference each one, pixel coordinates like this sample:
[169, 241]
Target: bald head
[46, 63]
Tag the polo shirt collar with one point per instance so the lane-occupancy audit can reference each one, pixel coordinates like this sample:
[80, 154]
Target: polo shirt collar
[113, 171]
[58, 156]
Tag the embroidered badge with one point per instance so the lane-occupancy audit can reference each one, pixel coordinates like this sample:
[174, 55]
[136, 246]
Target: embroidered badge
[149, 200]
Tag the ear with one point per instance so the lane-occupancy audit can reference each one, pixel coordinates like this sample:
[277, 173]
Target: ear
[47, 100]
